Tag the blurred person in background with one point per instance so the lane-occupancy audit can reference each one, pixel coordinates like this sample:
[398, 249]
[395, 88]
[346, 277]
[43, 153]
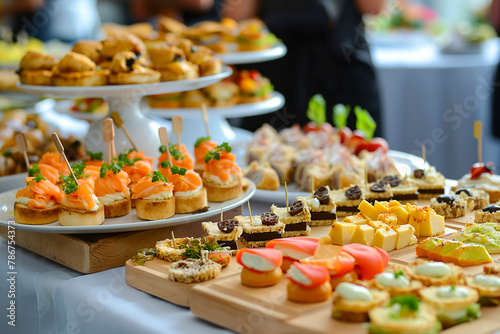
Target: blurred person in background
[327, 54]
[65, 20]
[495, 22]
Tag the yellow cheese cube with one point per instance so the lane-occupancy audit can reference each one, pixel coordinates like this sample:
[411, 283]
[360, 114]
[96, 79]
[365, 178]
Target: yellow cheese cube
[376, 224]
[401, 213]
[381, 207]
[368, 210]
[394, 203]
[358, 219]
[409, 207]
[385, 238]
[363, 235]
[341, 233]
[433, 224]
[416, 217]
[388, 218]
[406, 235]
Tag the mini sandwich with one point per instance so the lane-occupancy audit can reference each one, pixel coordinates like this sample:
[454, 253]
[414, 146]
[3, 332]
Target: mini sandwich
[203, 57]
[264, 177]
[190, 195]
[403, 191]
[308, 283]
[126, 70]
[180, 158]
[294, 249]
[119, 43]
[226, 233]
[430, 183]
[171, 63]
[80, 206]
[201, 147]
[347, 200]
[91, 49]
[404, 314]
[37, 203]
[112, 190]
[154, 197]
[260, 230]
[223, 94]
[222, 176]
[322, 207]
[296, 219]
[261, 267]
[36, 68]
[378, 191]
[253, 86]
[454, 304]
[75, 69]
[254, 36]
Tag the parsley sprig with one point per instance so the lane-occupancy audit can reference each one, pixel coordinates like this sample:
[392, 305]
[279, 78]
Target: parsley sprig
[201, 140]
[69, 185]
[37, 178]
[158, 177]
[174, 151]
[399, 273]
[125, 161]
[195, 246]
[215, 153]
[34, 170]
[174, 169]
[115, 166]
[79, 170]
[94, 155]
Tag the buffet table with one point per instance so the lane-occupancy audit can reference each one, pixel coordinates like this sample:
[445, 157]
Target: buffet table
[433, 99]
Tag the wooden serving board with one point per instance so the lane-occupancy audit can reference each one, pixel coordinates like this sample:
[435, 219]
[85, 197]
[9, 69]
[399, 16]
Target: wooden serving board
[91, 253]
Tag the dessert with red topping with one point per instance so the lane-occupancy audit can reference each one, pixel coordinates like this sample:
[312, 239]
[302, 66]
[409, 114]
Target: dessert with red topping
[481, 176]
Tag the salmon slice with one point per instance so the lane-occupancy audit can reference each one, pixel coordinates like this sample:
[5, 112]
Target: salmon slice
[185, 161]
[296, 245]
[81, 199]
[139, 170]
[269, 255]
[112, 183]
[49, 172]
[317, 275]
[141, 155]
[145, 188]
[223, 168]
[202, 149]
[40, 193]
[55, 160]
[188, 182]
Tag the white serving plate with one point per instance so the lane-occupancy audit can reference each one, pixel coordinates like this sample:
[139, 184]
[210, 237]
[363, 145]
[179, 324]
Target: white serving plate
[251, 57]
[126, 223]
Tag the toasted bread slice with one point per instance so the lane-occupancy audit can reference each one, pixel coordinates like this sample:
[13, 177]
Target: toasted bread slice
[117, 208]
[25, 215]
[218, 193]
[74, 217]
[155, 209]
[192, 203]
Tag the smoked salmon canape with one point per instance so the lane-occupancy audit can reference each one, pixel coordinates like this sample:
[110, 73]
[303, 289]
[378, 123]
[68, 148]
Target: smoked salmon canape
[47, 171]
[154, 197]
[80, 206]
[222, 176]
[93, 159]
[308, 283]
[112, 190]
[136, 167]
[201, 147]
[190, 195]
[261, 266]
[56, 161]
[38, 203]
[180, 157]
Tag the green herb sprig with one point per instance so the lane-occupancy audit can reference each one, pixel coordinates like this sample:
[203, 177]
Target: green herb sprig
[37, 178]
[158, 177]
[34, 170]
[365, 122]
[69, 185]
[115, 167]
[340, 114]
[201, 140]
[316, 109]
[94, 155]
[174, 169]
[215, 153]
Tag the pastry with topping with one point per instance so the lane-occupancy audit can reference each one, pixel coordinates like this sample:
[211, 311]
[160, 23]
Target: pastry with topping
[435, 273]
[404, 314]
[79, 205]
[450, 206]
[170, 61]
[127, 70]
[259, 230]
[222, 176]
[263, 175]
[454, 304]
[254, 35]
[75, 69]
[403, 191]
[296, 219]
[481, 177]
[193, 270]
[308, 283]
[488, 214]
[112, 189]
[488, 288]
[37, 203]
[322, 207]
[253, 86]
[294, 249]
[261, 267]
[36, 69]
[476, 198]
[203, 58]
[91, 49]
[201, 147]
[226, 232]
[120, 43]
[351, 302]
[154, 197]
[347, 200]
[378, 191]
[430, 183]
[224, 93]
[397, 283]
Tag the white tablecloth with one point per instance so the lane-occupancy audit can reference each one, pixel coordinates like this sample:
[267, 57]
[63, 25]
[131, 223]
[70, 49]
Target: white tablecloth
[433, 99]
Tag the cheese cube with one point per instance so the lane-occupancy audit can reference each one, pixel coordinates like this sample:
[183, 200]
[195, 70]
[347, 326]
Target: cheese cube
[376, 224]
[358, 219]
[388, 218]
[394, 203]
[401, 213]
[385, 238]
[406, 235]
[381, 207]
[368, 210]
[341, 233]
[416, 217]
[363, 235]
[433, 224]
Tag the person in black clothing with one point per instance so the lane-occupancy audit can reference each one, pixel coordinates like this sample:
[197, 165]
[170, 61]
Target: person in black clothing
[327, 54]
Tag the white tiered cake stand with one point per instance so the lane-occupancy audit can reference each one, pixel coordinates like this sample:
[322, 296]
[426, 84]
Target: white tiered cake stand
[126, 100]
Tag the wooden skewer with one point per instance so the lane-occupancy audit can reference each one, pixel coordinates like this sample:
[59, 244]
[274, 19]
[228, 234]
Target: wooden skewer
[108, 135]
[119, 123]
[205, 118]
[423, 155]
[177, 128]
[478, 134]
[221, 214]
[250, 212]
[60, 149]
[163, 134]
[23, 147]
[173, 240]
[286, 197]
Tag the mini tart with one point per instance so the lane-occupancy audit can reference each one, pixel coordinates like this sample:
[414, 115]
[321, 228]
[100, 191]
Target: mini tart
[430, 296]
[488, 295]
[165, 249]
[221, 193]
[193, 271]
[149, 209]
[25, 215]
[357, 310]
[117, 208]
[127, 70]
[456, 277]
[413, 289]
[75, 217]
[424, 321]
[192, 203]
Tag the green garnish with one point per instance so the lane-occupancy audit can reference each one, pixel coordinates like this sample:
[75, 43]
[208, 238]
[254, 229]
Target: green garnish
[37, 178]
[69, 185]
[201, 140]
[143, 255]
[115, 167]
[79, 169]
[215, 153]
[266, 89]
[365, 122]
[158, 177]
[174, 169]
[408, 302]
[453, 288]
[340, 115]
[123, 160]
[175, 152]
[195, 246]
[33, 171]
[399, 273]
[316, 109]
[162, 149]
[94, 156]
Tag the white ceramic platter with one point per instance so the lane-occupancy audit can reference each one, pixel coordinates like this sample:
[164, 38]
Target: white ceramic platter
[251, 57]
[126, 223]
